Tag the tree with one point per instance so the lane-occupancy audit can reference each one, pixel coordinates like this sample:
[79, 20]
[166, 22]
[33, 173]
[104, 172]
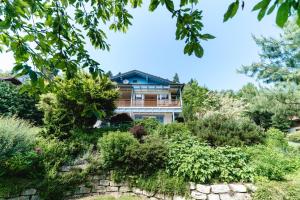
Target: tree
[176, 78]
[77, 103]
[193, 100]
[109, 74]
[275, 106]
[47, 37]
[279, 59]
[21, 105]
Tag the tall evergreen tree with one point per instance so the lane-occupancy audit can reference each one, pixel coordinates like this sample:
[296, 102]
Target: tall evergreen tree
[176, 78]
[279, 58]
[109, 74]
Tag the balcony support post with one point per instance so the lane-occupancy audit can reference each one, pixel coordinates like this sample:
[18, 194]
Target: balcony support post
[180, 97]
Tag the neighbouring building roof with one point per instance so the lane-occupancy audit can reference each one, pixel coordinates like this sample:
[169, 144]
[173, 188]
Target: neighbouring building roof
[12, 80]
[139, 77]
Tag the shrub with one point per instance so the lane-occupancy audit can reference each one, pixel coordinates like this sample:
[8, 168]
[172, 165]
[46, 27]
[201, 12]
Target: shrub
[146, 158]
[276, 138]
[15, 103]
[273, 163]
[218, 130]
[138, 132]
[150, 124]
[294, 137]
[113, 148]
[173, 129]
[197, 162]
[17, 140]
[77, 103]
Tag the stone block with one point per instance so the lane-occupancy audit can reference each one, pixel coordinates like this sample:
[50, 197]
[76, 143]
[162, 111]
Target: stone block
[251, 187]
[220, 188]
[238, 188]
[112, 183]
[29, 192]
[159, 196]
[198, 195]
[83, 190]
[176, 197]
[35, 197]
[112, 189]
[242, 196]
[104, 182]
[203, 188]
[124, 189]
[101, 189]
[147, 193]
[65, 169]
[153, 198]
[226, 196]
[213, 197]
[137, 191]
[192, 186]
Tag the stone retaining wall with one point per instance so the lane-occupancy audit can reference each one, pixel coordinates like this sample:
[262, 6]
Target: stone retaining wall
[103, 185]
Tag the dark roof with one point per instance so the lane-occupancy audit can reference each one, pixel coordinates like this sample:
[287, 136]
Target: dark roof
[13, 80]
[142, 74]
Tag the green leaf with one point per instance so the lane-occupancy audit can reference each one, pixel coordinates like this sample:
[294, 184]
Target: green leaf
[153, 5]
[298, 18]
[282, 14]
[33, 76]
[207, 37]
[232, 10]
[170, 5]
[199, 52]
[261, 5]
[271, 9]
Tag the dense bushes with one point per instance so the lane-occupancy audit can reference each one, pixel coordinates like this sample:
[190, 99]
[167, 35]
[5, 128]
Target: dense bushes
[200, 163]
[13, 103]
[120, 150]
[77, 103]
[275, 159]
[113, 147]
[17, 140]
[218, 130]
[146, 158]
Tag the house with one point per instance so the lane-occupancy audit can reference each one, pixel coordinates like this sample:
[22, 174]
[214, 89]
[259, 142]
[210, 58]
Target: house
[143, 95]
[295, 126]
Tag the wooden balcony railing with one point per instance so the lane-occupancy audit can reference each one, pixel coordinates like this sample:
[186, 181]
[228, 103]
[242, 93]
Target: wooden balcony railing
[147, 103]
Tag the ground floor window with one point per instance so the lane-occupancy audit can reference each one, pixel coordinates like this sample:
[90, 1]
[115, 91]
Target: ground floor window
[159, 118]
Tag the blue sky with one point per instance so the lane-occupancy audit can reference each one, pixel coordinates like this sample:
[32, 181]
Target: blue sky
[150, 46]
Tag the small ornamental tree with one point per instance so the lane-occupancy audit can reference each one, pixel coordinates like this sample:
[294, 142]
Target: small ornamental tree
[77, 103]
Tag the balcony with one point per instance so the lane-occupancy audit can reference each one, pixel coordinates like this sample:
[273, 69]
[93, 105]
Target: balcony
[147, 103]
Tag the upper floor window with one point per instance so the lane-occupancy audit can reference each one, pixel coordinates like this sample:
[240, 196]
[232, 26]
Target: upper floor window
[138, 96]
[163, 96]
[134, 81]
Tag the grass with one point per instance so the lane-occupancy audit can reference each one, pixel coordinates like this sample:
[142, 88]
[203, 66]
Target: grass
[279, 190]
[108, 197]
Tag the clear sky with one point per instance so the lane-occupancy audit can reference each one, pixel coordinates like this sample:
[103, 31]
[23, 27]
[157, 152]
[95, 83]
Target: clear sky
[150, 46]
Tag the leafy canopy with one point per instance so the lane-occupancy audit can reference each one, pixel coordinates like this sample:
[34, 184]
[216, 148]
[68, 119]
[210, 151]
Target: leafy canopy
[49, 36]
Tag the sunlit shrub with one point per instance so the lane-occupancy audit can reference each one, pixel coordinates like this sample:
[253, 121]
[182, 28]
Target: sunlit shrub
[219, 130]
